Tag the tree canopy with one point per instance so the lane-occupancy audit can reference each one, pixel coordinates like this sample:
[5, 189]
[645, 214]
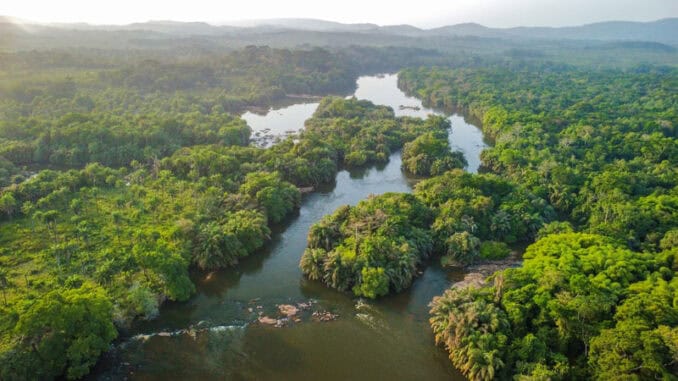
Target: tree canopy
[371, 248]
[580, 306]
[599, 147]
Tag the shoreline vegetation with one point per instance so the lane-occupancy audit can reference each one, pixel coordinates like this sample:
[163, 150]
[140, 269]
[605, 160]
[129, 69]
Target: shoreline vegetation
[550, 317]
[377, 246]
[155, 175]
[204, 206]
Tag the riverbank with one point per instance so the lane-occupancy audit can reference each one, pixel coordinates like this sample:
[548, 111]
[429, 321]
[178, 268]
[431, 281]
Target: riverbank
[392, 331]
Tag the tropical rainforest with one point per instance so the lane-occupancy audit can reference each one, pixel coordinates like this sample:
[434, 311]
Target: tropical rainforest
[124, 169]
[595, 297]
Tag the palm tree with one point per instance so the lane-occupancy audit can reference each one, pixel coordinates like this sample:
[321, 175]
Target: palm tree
[49, 218]
[323, 235]
[215, 249]
[208, 246]
[501, 223]
[27, 209]
[312, 263]
[499, 283]
[4, 283]
[117, 220]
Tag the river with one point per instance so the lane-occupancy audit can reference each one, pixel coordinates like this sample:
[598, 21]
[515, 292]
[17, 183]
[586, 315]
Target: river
[214, 335]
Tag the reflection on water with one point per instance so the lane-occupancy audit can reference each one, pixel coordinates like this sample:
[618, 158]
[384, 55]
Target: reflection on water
[384, 90]
[267, 128]
[215, 336]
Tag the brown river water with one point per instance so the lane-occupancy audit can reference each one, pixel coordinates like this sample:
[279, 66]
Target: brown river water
[216, 336]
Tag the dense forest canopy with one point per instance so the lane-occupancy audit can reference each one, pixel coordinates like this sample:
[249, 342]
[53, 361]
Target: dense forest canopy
[68, 109]
[124, 164]
[371, 248]
[133, 232]
[378, 246]
[579, 307]
[600, 146]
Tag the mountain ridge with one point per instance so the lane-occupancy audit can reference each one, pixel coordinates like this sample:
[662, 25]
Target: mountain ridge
[663, 30]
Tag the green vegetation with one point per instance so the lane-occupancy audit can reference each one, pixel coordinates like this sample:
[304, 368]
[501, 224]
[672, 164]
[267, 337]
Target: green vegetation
[473, 210]
[363, 134]
[600, 146]
[132, 233]
[580, 307]
[161, 178]
[372, 248]
[490, 250]
[65, 109]
[123, 167]
[430, 155]
[467, 218]
[100, 110]
[65, 331]
[76, 139]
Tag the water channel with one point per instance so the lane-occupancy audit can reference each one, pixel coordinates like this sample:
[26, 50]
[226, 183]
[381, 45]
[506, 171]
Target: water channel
[215, 336]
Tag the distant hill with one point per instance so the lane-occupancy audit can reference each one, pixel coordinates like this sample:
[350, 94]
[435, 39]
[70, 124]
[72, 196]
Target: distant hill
[401, 30]
[637, 45]
[181, 28]
[663, 31]
[466, 29]
[303, 24]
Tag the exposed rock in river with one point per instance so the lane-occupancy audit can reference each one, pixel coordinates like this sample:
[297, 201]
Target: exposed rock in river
[289, 314]
[324, 316]
[268, 320]
[288, 310]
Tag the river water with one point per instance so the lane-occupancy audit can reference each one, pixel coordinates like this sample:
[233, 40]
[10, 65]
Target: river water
[215, 335]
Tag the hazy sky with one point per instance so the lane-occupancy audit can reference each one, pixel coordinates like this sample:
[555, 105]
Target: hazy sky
[424, 13]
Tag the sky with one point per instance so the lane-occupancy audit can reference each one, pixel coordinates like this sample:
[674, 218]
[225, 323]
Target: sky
[422, 13]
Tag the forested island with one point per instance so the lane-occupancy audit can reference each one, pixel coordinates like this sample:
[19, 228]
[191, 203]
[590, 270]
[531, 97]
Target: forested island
[127, 174]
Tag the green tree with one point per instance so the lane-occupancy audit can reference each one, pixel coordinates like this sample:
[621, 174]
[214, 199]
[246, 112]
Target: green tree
[463, 247]
[4, 283]
[164, 266]
[275, 196]
[63, 332]
[8, 204]
[430, 154]
[371, 248]
[552, 315]
[373, 283]
[215, 248]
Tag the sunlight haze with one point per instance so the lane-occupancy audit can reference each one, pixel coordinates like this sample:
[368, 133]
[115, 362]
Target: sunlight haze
[424, 13]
